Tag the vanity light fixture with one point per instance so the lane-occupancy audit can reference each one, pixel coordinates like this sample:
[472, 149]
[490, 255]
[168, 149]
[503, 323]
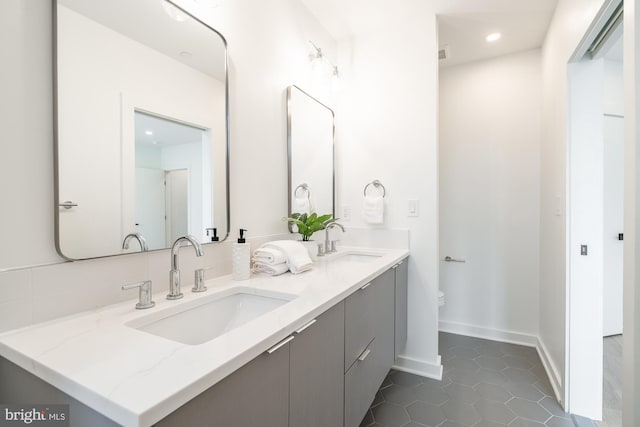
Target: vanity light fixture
[317, 55]
[148, 132]
[493, 37]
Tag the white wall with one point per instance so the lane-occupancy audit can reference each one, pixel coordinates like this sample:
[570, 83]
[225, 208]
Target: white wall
[268, 52]
[569, 24]
[489, 196]
[386, 130]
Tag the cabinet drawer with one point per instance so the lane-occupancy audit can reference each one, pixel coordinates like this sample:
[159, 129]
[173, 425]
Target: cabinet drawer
[359, 325]
[361, 382]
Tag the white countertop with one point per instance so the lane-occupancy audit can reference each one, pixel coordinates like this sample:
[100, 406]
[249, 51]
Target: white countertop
[136, 378]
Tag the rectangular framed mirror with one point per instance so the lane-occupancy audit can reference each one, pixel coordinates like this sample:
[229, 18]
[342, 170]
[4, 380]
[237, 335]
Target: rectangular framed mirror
[142, 141]
[310, 140]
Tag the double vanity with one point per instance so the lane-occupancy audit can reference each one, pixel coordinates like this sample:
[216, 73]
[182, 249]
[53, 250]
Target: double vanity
[292, 350]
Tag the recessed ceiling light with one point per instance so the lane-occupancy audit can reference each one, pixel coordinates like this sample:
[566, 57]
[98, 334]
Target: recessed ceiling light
[148, 132]
[186, 54]
[493, 37]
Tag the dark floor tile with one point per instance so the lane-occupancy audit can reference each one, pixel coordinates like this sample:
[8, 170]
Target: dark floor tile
[492, 377]
[462, 393]
[399, 395]
[485, 423]
[465, 352]
[554, 408]
[494, 411]
[461, 413]
[529, 410]
[493, 392]
[430, 392]
[523, 422]
[490, 362]
[519, 375]
[378, 399]
[461, 363]
[390, 414]
[582, 421]
[463, 376]
[517, 361]
[426, 413]
[560, 422]
[524, 390]
[405, 379]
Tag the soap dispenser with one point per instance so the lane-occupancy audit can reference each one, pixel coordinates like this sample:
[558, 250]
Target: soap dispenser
[241, 258]
[214, 231]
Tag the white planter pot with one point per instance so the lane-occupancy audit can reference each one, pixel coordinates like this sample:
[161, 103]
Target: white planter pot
[312, 248]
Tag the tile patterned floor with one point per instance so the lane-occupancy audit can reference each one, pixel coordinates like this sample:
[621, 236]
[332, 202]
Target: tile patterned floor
[485, 384]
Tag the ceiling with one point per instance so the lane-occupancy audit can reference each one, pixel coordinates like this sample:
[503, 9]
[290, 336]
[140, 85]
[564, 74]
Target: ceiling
[462, 24]
[149, 23]
[164, 132]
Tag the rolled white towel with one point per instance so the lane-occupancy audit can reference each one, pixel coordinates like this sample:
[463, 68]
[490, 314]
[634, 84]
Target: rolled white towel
[373, 209]
[297, 256]
[271, 269]
[269, 256]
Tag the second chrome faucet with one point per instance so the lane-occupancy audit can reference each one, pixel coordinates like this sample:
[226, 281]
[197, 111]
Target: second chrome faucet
[175, 291]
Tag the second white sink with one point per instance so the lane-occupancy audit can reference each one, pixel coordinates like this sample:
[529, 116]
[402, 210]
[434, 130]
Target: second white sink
[209, 318]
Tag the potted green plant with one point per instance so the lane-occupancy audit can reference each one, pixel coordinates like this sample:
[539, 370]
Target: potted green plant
[309, 224]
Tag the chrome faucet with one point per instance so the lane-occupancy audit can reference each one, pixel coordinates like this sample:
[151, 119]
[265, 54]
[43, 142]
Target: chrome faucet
[141, 240]
[330, 245]
[174, 274]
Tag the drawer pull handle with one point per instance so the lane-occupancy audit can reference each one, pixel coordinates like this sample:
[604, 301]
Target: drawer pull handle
[397, 265]
[366, 286]
[280, 344]
[299, 331]
[364, 355]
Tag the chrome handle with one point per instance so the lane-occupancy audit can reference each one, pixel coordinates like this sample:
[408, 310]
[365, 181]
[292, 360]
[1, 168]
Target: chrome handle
[198, 281]
[144, 295]
[280, 344]
[449, 259]
[364, 355]
[366, 286]
[68, 204]
[306, 326]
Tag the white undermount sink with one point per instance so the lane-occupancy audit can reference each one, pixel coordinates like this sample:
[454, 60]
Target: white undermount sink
[199, 321]
[353, 256]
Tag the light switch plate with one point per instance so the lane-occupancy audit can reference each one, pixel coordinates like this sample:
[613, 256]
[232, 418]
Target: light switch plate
[413, 208]
[346, 213]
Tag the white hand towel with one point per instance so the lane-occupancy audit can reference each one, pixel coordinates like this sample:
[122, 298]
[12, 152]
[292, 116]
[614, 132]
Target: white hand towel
[373, 209]
[271, 269]
[302, 205]
[297, 256]
[269, 256]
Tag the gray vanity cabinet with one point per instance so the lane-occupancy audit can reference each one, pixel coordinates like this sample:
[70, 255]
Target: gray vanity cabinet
[255, 395]
[316, 372]
[402, 283]
[369, 315]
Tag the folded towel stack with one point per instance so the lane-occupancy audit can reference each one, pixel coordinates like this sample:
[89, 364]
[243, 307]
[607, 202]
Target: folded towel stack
[280, 256]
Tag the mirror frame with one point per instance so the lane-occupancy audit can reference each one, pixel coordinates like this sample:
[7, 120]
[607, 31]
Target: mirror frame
[56, 133]
[289, 153]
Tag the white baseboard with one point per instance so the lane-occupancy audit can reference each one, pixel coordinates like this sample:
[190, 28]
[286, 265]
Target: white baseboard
[419, 367]
[552, 371]
[489, 333]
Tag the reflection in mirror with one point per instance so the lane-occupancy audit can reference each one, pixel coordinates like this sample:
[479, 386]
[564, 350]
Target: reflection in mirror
[310, 133]
[142, 140]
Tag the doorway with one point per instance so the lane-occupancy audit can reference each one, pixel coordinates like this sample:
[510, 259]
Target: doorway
[595, 165]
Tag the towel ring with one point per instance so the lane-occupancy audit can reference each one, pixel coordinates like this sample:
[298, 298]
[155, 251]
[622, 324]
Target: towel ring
[376, 184]
[304, 187]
